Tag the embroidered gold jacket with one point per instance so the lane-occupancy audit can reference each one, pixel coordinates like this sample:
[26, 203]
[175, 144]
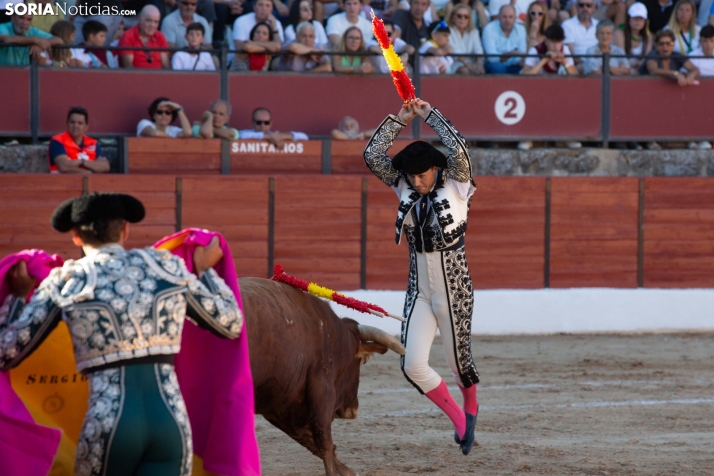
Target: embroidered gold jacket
[119, 305]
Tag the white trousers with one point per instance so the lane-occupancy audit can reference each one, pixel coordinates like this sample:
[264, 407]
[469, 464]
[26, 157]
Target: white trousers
[441, 298]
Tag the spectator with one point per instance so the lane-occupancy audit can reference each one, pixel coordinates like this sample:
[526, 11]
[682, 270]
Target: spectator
[72, 152]
[383, 9]
[19, 31]
[634, 36]
[302, 55]
[193, 59]
[400, 47]
[434, 53]
[580, 30]
[412, 24]
[348, 129]
[480, 16]
[537, 20]
[618, 66]
[112, 22]
[669, 67]
[521, 7]
[226, 11]
[262, 13]
[658, 12]
[175, 25]
[703, 57]
[205, 8]
[215, 122]
[262, 122]
[553, 57]
[507, 39]
[338, 24]
[301, 11]
[352, 42]
[44, 22]
[465, 40]
[683, 24]
[95, 35]
[63, 57]
[613, 10]
[144, 35]
[261, 43]
[163, 112]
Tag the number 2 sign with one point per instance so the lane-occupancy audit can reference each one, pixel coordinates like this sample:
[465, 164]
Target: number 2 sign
[510, 108]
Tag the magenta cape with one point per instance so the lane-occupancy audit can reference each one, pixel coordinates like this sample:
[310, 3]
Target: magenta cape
[26, 448]
[215, 377]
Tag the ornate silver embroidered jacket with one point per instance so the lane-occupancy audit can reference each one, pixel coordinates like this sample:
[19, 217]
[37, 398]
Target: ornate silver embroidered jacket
[448, 211]
[119, 305]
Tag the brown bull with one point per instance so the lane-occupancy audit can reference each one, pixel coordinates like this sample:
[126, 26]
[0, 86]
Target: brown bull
[306, 362]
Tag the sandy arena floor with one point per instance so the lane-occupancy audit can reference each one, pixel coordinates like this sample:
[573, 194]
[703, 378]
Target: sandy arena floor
[562, 405]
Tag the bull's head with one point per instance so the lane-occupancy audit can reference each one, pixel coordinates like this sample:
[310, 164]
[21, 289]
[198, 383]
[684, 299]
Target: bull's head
[371, 340]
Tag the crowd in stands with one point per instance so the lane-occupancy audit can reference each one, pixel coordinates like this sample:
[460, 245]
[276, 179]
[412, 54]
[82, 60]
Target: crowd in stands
[543, 37]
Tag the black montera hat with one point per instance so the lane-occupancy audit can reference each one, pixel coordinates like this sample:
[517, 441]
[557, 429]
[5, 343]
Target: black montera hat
[418, 157]
[96, 206]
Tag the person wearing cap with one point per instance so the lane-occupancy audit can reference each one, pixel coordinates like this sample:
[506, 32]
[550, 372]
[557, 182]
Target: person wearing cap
[634, 35]
[435, 52]
[125, 310]
[435, 194]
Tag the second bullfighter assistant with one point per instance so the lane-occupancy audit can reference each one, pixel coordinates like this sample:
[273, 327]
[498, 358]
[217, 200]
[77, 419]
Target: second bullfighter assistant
[435, 195]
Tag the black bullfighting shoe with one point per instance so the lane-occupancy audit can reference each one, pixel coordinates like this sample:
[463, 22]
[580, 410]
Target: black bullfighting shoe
[470, 436]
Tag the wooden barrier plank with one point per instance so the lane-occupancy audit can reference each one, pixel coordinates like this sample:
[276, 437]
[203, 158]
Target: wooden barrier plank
[347, 155]
[157, 155]
[260, 157]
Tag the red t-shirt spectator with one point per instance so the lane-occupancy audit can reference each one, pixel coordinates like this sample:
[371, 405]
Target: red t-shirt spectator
[143, 58]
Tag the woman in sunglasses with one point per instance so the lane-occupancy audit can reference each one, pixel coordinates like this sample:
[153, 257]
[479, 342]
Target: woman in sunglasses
[670, 63]
[537, 20]
[163, 112]
[465, 40]
[480, 15]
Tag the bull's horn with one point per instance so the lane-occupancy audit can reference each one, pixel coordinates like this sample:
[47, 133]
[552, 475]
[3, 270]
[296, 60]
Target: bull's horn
[369, 333]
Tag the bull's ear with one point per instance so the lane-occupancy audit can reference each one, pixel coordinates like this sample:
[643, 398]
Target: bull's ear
[366, 349]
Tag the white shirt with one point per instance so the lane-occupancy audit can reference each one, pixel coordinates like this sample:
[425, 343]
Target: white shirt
[89, 60]
[258, 135]
[705, 65]
[577, 35]
[379, 62]
[172, 131]
[468, 44]
[183, 60]
[680, 41]
[521, 6]
[174, 29]
[433, 64]
[321, 40]
[338, 25]
[245, 23]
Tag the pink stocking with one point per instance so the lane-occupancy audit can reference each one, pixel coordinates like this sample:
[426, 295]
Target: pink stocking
[470, 403]
[442, 398]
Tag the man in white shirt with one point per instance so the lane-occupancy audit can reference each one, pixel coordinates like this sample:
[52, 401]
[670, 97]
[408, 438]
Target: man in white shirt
[580, 31]
[339, 23]
[262, 12]
[706, 48]
[175, 24]
[521, 7]
[262, 122]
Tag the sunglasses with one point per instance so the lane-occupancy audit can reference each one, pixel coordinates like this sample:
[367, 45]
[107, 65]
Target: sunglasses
[664, 43]
[535, 13]
[465, 17]
[586, 5]
[190, 4]
[149, 56]
[165, 112]
[260, 123]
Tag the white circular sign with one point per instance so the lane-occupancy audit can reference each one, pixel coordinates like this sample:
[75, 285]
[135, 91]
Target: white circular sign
[510, 108]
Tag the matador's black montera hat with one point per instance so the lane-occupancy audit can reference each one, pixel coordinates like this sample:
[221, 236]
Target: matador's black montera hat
[418, 157]
[96, 206]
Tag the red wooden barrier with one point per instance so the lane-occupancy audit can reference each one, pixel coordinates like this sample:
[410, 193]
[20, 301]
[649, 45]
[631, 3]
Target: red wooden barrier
[679, 233]
[594, 232]
[347, 155]
[505, 237]
[317, 228]
[15, 100]
[117, 100]
[154, 155]
[238, 208]
[470, 104]
[26, 205]
[159, 197]
[260, 157]
[656, 108]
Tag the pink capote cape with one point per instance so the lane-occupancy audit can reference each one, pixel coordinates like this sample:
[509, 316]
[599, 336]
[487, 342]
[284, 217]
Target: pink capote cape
[26, 448]
[215, 377]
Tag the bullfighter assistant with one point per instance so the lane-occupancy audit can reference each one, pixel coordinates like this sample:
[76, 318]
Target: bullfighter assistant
[435, 194]
[125, 310]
